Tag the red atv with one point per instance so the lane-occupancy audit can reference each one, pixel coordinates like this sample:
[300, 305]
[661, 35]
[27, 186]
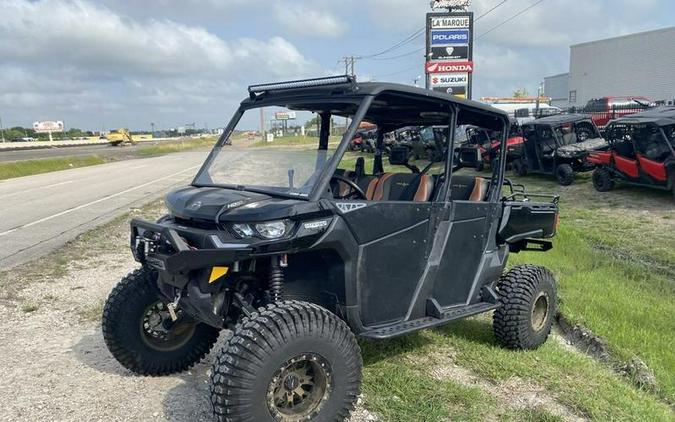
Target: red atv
[641, 151]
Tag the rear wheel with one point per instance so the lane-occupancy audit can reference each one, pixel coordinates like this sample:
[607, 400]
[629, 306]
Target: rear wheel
[287, 362]
[565, 174]
[519, 168]
[602, 180]
[527, 295]
[140, 334]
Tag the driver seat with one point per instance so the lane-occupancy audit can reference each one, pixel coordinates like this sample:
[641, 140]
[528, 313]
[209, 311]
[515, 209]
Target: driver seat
[401, 187]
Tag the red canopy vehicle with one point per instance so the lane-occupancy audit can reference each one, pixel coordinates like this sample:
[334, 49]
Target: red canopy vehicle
[641, 151]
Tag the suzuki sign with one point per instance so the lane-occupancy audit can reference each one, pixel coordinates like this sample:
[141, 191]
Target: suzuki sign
[449, 67]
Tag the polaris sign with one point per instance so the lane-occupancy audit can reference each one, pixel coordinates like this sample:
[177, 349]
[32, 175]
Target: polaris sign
[446, 37]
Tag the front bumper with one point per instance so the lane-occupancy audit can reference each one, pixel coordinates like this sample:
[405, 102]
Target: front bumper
[148, 240]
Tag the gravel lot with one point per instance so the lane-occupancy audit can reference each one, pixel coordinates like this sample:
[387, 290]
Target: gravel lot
[56, 366]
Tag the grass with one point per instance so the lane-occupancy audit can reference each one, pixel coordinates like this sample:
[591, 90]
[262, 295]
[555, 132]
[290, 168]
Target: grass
[295, 141]
[398, 386]
[30, 167]
[29, 307]
[183, 145]
[613, 258]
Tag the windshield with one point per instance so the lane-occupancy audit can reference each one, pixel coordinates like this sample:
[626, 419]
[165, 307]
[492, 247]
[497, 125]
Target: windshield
[274, 152]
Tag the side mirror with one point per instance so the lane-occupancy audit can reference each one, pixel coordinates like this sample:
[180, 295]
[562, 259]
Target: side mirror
[399, 156]
[467, 157]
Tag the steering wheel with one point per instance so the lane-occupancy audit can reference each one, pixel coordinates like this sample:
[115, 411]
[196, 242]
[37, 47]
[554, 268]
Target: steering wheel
[355, 189]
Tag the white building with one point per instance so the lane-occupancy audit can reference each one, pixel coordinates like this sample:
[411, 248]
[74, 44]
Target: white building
[557, 88]
[640, 64]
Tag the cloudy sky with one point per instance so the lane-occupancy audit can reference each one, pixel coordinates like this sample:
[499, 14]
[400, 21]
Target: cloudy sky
[126, 63]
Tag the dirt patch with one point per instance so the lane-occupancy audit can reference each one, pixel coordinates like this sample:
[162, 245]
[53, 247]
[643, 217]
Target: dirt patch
[583, 340]
[513, 393]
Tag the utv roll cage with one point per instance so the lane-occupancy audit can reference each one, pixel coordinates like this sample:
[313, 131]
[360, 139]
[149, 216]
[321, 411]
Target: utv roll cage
[341, 96]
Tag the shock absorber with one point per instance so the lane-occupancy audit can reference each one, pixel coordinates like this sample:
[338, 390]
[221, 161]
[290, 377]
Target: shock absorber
[276, 281]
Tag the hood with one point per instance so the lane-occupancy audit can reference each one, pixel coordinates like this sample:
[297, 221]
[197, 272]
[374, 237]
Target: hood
[207, 204]
[592, 144]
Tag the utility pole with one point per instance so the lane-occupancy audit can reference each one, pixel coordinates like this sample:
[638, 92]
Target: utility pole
[152, 128]
[262, 123]
[2, 131]
[350, 62]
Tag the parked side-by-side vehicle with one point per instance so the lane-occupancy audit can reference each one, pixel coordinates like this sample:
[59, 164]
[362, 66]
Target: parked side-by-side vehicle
[301, 249]
[641, 151]
[558, 146]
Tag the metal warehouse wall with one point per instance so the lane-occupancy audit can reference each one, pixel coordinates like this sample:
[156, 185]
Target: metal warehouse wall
[637, 64]
[557, 87]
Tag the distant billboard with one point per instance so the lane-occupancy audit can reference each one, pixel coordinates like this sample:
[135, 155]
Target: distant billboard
[48, 126]
[284, 115]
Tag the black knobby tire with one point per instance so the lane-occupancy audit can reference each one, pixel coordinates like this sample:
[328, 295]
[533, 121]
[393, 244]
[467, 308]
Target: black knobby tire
[519, 322]
[565, 174]
[520, 168]
[602, 180]
[480, 166]
[187, 341]
[245, 373]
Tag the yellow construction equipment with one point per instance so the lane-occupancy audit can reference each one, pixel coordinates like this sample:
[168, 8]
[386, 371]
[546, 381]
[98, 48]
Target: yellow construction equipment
[120, 137]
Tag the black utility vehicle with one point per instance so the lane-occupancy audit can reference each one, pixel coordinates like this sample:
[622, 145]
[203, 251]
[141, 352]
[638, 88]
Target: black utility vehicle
[269, 243]
[641, 151]
[557, 145]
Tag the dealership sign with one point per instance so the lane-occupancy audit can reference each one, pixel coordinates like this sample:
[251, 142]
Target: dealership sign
[48, 127]
[450, 36]
[449, 79]
[284, 115]
[451, 52]
[457, 91]
[450, 23]
[449, 67]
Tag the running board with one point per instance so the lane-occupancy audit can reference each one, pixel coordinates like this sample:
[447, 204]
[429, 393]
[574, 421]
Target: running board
[427, 322]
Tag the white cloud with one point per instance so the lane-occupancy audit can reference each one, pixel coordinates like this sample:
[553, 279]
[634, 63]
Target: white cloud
[311, 20]
[58, 54]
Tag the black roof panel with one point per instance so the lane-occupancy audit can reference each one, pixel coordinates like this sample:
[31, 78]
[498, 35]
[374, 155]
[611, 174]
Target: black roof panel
[558, 119]
[661, 116]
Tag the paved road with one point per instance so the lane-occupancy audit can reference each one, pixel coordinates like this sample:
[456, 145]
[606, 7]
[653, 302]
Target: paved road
[40, 213]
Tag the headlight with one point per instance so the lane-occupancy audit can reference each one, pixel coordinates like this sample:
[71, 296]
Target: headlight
[272, 229]
[267, 230]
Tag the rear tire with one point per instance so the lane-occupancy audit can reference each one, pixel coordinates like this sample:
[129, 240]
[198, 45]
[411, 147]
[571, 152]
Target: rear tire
[134, 329]
[565, 174]
[289, 361]
[528, 299]
[602, 180]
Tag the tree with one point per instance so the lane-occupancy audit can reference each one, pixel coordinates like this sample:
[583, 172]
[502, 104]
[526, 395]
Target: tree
[520, 93]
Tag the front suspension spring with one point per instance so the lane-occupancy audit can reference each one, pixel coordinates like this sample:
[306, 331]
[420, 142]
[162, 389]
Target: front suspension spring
[276, 281]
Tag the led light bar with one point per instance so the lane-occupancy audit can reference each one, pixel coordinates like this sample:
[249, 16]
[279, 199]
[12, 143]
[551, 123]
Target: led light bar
[304, 83]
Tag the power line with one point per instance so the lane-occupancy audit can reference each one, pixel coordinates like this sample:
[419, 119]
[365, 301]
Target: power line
[509, 19]
[490, 11]
[417, 66]
[400, 44]
[409, 53]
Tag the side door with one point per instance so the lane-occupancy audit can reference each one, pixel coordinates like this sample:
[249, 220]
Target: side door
[623, 152]
[652, 152]
[392, 254]
[463, 247]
